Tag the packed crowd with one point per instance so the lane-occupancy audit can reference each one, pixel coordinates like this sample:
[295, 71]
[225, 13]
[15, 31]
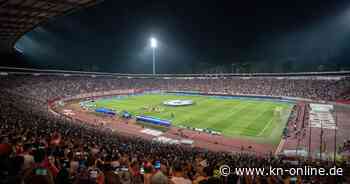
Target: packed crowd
[48, 87]
[38, 147]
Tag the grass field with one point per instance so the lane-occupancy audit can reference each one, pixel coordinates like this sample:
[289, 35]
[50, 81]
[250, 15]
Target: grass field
[259, 120]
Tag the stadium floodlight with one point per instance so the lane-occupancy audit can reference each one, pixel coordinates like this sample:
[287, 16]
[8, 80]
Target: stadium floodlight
[153, 43]
[154, 46]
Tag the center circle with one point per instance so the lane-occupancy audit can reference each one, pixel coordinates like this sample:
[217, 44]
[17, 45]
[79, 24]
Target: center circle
[178, 102]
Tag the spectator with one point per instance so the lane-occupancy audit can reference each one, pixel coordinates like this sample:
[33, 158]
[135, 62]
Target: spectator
[178, 175]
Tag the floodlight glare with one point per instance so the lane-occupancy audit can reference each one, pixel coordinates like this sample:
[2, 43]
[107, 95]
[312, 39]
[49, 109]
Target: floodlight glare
[153, 43]
[154, 46]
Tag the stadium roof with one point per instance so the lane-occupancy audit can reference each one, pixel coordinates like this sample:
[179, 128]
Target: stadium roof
[20, 16]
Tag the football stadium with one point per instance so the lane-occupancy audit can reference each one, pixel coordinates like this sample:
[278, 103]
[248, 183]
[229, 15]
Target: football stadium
[108, 92]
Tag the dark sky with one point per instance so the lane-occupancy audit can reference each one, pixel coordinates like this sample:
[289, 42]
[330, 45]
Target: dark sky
[194, 36]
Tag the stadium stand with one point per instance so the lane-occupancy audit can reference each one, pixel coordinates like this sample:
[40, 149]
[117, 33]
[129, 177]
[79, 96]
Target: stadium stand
[38, 147]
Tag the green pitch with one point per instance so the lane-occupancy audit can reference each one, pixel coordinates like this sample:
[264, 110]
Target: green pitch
[259, 120]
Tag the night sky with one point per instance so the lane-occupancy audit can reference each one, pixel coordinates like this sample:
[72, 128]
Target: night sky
[196, 36]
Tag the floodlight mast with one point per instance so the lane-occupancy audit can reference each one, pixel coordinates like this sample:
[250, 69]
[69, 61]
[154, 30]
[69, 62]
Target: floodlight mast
[154, 46]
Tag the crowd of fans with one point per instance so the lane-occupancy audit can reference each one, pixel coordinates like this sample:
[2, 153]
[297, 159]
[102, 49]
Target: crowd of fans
[38, 147]
[48, 87]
